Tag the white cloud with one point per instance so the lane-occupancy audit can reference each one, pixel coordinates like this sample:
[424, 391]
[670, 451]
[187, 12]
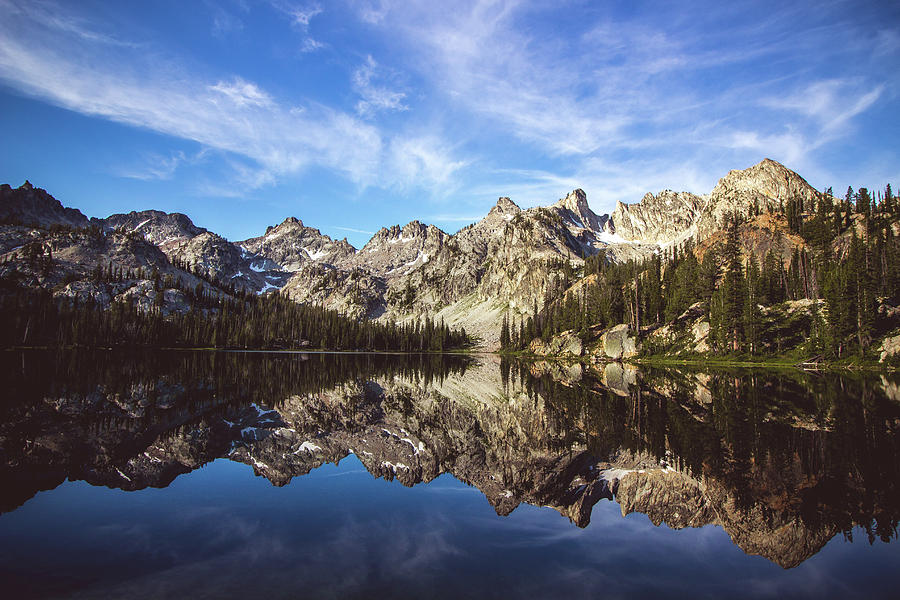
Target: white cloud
[299, 14]
[234, 116]
[242, 93]
[237, 117]
[424, 162]
[154, 167]
[225, 23]
[57, 17]
[311, 45]
[372, 11]
[831, 103]
[300, 17]
[375, 98]
[303, 15]
[650, 94]
[615, 105]
[352, 230]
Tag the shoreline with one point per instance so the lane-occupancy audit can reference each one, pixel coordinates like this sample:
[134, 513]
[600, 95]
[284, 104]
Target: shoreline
[718, 363]
[772, 363]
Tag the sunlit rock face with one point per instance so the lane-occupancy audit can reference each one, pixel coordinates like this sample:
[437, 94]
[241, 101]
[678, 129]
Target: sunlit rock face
[765, 187]
[771, 459]
[660, 218]
[168, 231]
[290, 245]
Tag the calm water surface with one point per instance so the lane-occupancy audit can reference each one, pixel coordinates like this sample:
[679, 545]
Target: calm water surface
[289, 475]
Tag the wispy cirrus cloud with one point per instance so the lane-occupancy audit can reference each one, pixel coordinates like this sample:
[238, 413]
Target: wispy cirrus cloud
[831, 103]
[242, 93]
[234, 116]
[674, 92]
[153, 167]
[353, 230]
[60, 19]
[487, 98]
[225, 23]
[300, 16]
[427, 159]
[375, 97]
[231, 115]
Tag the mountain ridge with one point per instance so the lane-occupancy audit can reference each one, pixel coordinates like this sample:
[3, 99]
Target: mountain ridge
[507, 262]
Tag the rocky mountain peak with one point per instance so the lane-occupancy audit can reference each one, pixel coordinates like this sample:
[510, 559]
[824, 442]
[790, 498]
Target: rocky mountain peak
[767, 180]
[575, 207]
[34, 206]
[576, 201]
[396, 251]
[165, 230]
[290, 244]
[767, 185]
[415, 229]
[505, 206]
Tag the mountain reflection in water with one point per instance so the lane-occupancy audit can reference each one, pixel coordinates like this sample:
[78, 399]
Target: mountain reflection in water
[782, 461]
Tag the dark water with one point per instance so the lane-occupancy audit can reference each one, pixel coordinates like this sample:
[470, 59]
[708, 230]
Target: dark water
[244, 475]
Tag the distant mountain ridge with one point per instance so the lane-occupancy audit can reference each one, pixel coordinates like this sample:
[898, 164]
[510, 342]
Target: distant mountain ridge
[506, 262]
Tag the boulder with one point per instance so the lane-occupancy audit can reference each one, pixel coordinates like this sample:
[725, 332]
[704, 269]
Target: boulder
[618, 342]
[563, 344]
[889, 347]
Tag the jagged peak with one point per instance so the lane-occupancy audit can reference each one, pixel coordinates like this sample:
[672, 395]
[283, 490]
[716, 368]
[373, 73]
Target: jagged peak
[505, 206]
[576, 201]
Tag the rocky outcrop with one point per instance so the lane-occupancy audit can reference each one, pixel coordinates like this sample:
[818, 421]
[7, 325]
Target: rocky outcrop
[679, 500]
[890, 348]
[619, 378]
[290, 245]
[67, 261]
[575, 210]
[27, 205]
[167, 231]
[354, 292]
[686, 334]
[216, 258]
[618, 343]
[665, 496]
[566, 343]
[658, 219]
[394, 252]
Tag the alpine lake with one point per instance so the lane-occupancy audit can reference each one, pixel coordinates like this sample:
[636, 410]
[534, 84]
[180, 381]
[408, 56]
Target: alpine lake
[315, 475]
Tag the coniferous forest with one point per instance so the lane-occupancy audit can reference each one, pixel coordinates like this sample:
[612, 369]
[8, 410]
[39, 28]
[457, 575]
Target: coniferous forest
[33, 317]
[845, 274]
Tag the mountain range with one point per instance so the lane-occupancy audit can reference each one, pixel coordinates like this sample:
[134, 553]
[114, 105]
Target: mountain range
[505, 264]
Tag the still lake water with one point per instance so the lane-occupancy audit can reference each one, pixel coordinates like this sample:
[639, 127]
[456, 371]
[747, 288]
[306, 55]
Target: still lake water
[320, 475]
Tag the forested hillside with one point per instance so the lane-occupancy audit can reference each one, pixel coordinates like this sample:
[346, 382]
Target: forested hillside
[821, 277]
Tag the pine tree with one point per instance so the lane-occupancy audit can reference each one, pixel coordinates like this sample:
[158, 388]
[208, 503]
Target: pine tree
[504, 334]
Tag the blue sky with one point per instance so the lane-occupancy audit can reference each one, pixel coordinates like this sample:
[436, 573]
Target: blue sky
[353, 114]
